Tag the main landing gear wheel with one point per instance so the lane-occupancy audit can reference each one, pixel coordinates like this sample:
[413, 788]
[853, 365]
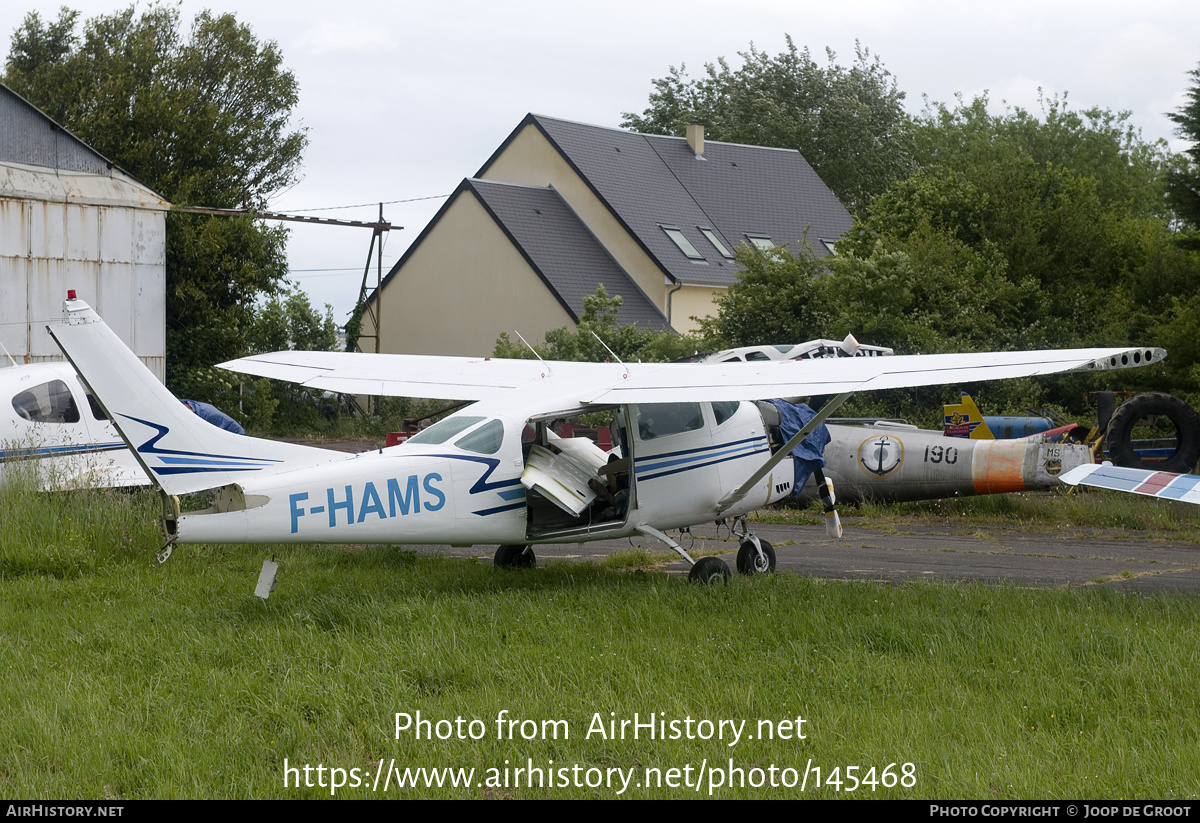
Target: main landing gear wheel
[749, 561]
[513, 556]
[709, 570]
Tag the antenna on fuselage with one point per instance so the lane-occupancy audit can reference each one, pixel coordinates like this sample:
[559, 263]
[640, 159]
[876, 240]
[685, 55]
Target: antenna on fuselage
[532, 349]
[613, 353]
[6, 354]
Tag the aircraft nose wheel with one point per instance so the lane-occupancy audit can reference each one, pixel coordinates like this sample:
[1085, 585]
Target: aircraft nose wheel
[513, 556]
[709, 570]
[750, 561]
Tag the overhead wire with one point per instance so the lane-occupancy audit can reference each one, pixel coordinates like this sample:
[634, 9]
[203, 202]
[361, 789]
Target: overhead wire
[366, 205]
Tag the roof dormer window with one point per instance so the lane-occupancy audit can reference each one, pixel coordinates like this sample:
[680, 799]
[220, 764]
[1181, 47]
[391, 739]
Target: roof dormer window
[685, 245]
[716, 241]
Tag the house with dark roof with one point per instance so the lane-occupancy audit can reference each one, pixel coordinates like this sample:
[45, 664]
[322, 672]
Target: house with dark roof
[563, 207]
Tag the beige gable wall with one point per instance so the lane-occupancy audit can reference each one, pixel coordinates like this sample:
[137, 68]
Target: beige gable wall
[531, 159]
[692, 301]
[463, 285]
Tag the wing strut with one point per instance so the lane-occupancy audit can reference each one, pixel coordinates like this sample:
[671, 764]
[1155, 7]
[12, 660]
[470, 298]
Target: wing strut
[730, 500]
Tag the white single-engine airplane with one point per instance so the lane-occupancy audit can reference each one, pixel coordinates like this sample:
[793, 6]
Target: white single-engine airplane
[53, 430]
[687, 450]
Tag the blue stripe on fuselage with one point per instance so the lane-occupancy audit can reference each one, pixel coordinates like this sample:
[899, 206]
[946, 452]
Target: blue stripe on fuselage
[669, 463]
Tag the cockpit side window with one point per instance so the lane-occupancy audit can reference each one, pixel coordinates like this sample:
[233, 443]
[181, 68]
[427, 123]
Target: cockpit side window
[48, 403]
[661, 419]
[723, 410]
[94, 405]
[486, 439]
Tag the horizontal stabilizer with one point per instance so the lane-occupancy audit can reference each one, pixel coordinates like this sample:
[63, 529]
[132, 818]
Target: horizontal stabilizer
[1167, 485]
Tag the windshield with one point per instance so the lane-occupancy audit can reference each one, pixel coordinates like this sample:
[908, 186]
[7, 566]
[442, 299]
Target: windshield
[444, 429]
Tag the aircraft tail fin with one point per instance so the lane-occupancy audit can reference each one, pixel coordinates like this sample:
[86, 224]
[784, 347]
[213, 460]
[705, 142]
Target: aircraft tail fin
[179, 451]
[963, 419]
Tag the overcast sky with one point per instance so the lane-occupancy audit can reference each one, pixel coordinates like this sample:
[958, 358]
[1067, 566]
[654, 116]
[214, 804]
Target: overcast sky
[404, 100]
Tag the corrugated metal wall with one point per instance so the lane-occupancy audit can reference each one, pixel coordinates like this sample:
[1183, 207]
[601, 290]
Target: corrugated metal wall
[113, 257]
[70, 221]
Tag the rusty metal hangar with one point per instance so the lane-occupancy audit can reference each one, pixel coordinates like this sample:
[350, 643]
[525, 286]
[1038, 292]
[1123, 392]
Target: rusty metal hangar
[70, 219]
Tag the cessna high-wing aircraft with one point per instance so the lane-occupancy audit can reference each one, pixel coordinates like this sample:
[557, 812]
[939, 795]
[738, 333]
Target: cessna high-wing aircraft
[687, 450]
[51, 427]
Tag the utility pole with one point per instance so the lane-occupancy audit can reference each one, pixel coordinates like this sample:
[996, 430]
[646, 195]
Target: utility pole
[373, 309]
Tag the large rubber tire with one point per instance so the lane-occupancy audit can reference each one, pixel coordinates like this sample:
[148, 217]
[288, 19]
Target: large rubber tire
[748, 561]
[515, 557]
[1187, 432]
[709, 570]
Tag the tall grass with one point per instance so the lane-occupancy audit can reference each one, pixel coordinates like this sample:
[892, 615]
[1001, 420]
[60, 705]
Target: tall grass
[120, 678]
[66, 533]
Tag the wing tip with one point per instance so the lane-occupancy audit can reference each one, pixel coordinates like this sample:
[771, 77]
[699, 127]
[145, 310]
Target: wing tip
[1127, 359]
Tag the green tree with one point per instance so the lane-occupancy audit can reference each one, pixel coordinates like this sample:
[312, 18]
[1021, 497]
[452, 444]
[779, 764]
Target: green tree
[631, 343]
[1184, 179]
[931, 294]
[849, 123]
[1027, 231]
[1096, 143]
[288, 321]
[1070, 202]
[203, 119]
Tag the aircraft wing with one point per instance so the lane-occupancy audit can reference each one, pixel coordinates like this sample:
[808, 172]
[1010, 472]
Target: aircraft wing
[481, 378]
[759, 380]
[397, 375]
[1167, 485]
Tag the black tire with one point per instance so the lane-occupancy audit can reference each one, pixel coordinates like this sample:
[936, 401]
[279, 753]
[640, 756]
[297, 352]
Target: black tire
[709, 570]
[513, 556]
[1181, 415]
[748, 561]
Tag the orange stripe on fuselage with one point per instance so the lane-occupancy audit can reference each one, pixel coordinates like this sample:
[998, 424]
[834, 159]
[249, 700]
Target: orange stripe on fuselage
[998, 467]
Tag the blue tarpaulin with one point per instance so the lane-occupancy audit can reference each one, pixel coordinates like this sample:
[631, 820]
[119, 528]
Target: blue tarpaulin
[210, 413]
[810, 454]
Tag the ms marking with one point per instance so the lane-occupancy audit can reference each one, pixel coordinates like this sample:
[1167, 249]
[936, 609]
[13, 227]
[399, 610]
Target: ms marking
[400, 501]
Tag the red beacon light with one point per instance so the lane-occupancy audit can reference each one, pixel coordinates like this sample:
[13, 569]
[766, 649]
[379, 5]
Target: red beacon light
[70, 294]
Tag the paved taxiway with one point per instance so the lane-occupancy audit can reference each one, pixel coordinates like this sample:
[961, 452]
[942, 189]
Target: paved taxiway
[989, 553]
[983, 552]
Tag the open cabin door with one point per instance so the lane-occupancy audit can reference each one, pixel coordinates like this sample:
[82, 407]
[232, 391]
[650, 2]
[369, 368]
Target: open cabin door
[574, 485]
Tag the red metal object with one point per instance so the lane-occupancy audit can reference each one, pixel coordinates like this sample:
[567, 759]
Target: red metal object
[1072, 433]
[602, 436]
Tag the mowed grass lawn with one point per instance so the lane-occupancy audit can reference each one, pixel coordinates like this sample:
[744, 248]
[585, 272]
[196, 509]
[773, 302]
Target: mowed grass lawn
[123, 679]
